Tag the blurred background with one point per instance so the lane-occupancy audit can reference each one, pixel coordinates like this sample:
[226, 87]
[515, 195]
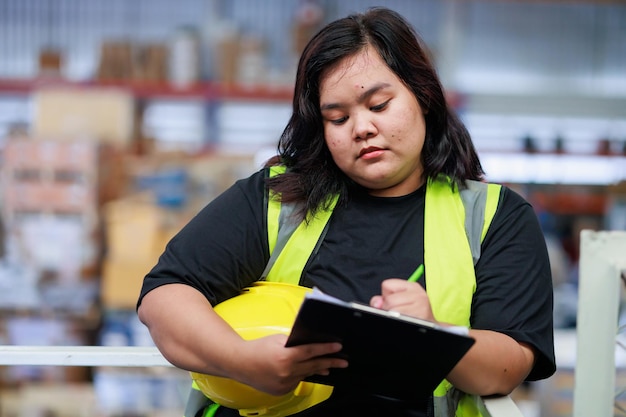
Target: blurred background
[120, 119]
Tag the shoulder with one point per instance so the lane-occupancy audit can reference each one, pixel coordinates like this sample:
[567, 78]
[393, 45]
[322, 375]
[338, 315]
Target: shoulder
[514, 218]
[511, 203]
[241, 203]
[515, 230]
[514, 214]
[253, 183]
[249, 189]
[511, 196]
[514, 225]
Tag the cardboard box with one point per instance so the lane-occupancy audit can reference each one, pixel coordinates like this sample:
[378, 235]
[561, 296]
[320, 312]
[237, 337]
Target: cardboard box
[59, 177]
[26, 153]
[42, 175]
[137, 231]
[121, 281]
[52, 197]
[122, 276]
[103, 115]
[131, 228]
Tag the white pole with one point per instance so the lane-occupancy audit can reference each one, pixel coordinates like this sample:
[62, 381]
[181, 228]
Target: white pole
[602, 257]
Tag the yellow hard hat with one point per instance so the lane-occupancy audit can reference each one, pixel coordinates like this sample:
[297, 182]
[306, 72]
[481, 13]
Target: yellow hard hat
[263, 309]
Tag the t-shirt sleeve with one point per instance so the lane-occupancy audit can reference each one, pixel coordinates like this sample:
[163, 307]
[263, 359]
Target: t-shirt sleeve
[514, 283]
[222, 249]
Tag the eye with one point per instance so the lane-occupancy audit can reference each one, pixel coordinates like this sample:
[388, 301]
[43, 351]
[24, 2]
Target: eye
[380, 107]
[339, 121]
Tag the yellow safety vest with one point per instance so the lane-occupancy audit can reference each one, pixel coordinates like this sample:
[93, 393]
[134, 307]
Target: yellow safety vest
[456, 222]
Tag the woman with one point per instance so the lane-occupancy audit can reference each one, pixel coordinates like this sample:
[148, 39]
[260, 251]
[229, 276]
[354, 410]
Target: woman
[371, 131]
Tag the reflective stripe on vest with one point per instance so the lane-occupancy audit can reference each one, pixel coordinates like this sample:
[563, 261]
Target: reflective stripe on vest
[457, 222]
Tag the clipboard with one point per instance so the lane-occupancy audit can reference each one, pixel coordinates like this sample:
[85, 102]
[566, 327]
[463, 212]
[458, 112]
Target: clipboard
[389, 354]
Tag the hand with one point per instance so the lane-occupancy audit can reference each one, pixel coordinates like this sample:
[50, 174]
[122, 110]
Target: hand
[404, 297]
[269, 366]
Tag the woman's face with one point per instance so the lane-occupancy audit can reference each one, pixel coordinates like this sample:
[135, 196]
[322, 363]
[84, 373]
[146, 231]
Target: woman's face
[373, 125]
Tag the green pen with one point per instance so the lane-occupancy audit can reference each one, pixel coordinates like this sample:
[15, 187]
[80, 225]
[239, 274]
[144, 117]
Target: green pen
[415, 276]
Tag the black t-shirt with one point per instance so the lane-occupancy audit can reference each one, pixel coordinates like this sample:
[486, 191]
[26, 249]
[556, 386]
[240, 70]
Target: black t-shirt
[224, 248]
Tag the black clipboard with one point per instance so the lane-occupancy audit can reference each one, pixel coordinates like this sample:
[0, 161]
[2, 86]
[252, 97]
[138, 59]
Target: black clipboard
[389, 354]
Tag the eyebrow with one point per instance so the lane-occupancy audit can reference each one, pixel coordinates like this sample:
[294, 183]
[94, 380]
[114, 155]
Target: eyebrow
[364, 96]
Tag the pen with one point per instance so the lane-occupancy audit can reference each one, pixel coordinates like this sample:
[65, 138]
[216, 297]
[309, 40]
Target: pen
[415, 276]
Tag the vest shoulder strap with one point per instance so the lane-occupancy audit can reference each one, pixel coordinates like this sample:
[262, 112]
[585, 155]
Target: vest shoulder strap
[291, 243]
[455, 224]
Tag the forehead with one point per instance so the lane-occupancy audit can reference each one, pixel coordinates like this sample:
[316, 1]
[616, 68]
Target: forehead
[360, 66]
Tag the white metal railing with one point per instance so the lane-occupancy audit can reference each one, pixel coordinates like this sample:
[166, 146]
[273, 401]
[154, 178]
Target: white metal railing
[135, 356]
[124, 356]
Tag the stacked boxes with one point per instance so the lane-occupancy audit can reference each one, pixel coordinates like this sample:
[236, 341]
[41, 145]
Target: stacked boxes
[50, 193]
[136, 233]
[169, 189]
[50, 177]
[49, 266]
[137, 228]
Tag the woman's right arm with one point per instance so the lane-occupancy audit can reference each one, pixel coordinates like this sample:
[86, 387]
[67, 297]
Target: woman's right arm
[185, 328]
[192, 336]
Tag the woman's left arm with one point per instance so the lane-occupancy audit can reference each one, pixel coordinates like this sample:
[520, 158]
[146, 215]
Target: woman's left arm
[496, 364]
[512, 307]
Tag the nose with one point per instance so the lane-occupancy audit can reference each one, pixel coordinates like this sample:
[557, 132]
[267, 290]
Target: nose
[364, 127]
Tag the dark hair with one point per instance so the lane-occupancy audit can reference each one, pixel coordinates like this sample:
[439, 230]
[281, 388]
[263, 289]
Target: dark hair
[312, 176]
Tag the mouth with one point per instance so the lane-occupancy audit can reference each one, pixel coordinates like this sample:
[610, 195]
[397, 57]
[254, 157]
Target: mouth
[371, 152]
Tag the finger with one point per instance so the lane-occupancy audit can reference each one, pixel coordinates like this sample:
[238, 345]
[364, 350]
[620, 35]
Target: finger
[393, 285]
[315, 350]
[315, 359]
[322, 366]
[376, 301]
[336, 363]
